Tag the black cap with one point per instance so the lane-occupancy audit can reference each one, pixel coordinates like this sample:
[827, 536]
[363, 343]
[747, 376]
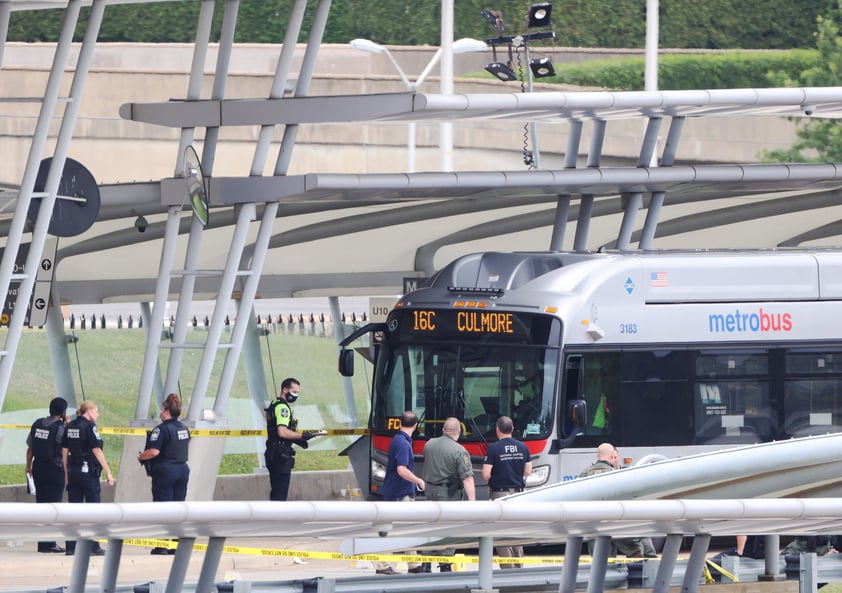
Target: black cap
[58, 406]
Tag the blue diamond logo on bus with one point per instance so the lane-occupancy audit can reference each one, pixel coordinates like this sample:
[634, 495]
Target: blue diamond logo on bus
[629, 285]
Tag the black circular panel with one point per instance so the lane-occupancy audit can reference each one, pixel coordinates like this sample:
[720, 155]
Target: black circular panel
[73, 216]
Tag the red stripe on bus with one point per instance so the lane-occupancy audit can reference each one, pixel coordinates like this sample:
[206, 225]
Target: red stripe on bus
[381, 443]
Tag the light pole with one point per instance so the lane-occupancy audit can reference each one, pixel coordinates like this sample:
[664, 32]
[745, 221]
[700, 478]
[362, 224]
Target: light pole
[460, 46]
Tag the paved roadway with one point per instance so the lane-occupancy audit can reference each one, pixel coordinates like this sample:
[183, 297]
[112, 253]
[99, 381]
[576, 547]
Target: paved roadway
[24, 569]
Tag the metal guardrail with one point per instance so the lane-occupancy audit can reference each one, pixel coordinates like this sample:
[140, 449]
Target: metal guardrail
[809, 569]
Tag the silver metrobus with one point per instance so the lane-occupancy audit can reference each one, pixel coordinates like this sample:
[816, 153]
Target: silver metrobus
[662, 354]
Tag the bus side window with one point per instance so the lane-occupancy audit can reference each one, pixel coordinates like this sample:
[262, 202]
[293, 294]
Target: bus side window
[574, 406]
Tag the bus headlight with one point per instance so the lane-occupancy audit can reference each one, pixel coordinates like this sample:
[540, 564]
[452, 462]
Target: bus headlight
[538, 476]
[378, 470]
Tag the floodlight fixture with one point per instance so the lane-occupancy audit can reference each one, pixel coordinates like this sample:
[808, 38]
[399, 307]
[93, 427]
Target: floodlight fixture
[495, 19]
[539, 15]
[541, 67]
[501, 71]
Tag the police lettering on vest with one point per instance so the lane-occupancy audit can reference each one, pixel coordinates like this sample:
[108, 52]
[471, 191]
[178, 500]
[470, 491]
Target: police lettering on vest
[45, 440]
[172, 439]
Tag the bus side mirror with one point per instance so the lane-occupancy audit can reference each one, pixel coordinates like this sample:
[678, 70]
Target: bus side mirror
[577, 415]
[346, 363]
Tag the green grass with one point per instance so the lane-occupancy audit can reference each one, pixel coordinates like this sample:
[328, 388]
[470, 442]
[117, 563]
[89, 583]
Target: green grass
[106, 366]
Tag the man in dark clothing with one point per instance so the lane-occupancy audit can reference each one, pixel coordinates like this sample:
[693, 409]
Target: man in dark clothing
[506, 465]
[43, 460]
[281, 428]
[166, 455]
[400, 482]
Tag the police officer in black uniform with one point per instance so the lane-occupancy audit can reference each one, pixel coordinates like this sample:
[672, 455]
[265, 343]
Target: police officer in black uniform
[282, 434]
[84, 462]
[43, 460]
[166, 457]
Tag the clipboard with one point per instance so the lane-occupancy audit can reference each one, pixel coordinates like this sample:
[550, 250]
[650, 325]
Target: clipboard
[30, 484]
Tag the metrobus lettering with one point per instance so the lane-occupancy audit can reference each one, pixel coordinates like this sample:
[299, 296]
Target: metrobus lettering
[761, 321]
[476, 321]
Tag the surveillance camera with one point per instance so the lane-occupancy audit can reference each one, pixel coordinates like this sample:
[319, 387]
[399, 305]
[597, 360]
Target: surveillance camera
[382, 529]
[140, 224]
[809, 109]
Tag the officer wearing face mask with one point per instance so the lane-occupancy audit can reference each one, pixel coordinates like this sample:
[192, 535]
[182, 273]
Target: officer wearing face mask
[282, 435]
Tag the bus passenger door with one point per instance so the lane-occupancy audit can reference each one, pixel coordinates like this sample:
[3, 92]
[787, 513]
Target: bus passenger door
[574, 404]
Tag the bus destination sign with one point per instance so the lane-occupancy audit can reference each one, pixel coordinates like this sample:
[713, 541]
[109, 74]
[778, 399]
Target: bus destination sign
[484, 322]
[471, 324]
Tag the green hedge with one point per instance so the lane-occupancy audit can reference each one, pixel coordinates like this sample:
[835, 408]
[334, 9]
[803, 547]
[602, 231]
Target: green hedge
[678, 72]
[710, 24]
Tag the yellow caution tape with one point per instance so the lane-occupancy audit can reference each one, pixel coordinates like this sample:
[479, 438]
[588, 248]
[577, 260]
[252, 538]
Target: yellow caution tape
[459, 558]
[721, 570]
[208, 432]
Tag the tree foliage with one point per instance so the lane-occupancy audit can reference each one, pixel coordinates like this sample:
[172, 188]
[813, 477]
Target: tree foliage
[716, 24]
[819, 140]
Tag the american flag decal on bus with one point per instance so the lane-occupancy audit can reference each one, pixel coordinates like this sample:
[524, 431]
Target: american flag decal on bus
[658, 279]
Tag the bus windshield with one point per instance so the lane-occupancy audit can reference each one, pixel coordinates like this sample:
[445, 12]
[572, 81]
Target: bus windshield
[476, 379]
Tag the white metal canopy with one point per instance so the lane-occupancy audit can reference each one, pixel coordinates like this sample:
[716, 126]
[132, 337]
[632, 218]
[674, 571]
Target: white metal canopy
[336, 519]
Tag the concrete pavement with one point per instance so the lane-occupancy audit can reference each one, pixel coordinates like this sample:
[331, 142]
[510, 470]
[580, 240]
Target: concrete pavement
[24, 569]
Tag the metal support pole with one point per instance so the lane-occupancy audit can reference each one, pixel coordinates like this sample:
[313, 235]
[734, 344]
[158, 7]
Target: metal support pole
[669, 555]
[570, 568]
[583, 223]
[220, 79]
[81, 560]
[175, 583]
[155, 318]
[486, 563]
[252, 357]
[656, 202]
[210, 565]
[59, 358]
[696, 563]
[808, 573]
[446, 70]
[197, 73]
[634, 202]
[185, 298]
[533, 127]
[562, 213]
[650, 75]
[247, 296]
[111, 566]
[347, 385]
[37, 148]
[5, 16]
[217, 325]
[772, 557]
[293, 29]
[305, 76]
[599, 565]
